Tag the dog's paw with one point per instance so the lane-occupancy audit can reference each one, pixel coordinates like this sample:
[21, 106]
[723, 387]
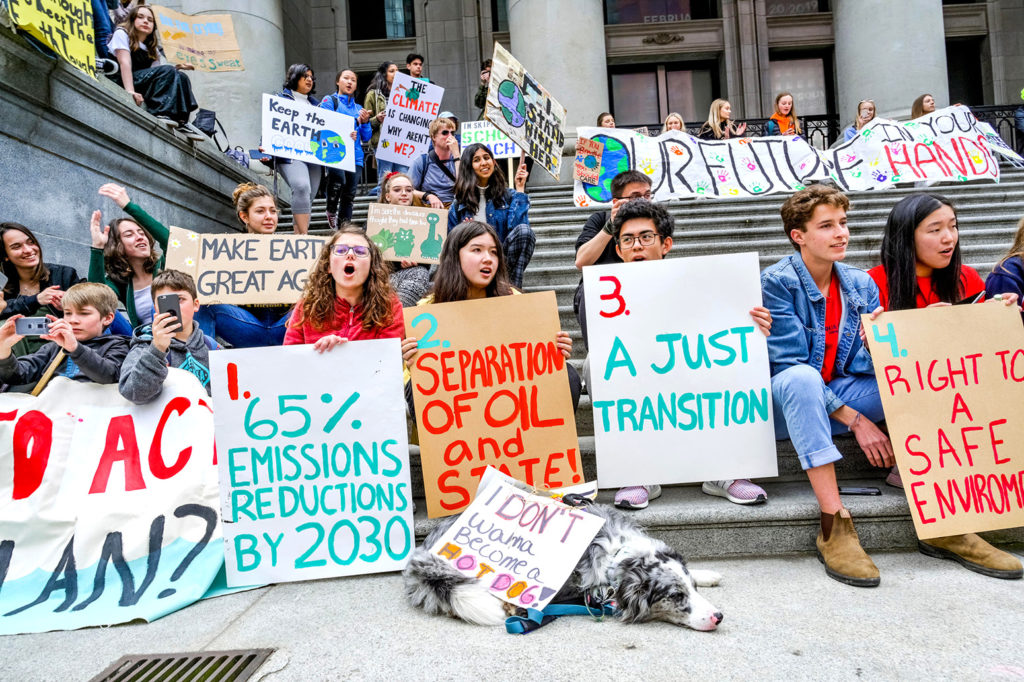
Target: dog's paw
[705, 578]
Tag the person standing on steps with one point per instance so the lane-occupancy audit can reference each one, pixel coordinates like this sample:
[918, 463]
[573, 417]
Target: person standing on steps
[341, 184]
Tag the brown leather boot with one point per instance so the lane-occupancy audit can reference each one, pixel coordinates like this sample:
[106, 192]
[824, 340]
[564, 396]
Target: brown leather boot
[974, 554]
[845, 560]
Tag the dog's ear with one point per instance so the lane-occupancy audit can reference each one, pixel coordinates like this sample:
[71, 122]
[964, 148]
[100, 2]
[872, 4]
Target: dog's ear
[639, 588]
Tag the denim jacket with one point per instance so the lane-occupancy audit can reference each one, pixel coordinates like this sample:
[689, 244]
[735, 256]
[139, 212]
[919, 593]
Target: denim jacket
[798, 319]
[505, 219]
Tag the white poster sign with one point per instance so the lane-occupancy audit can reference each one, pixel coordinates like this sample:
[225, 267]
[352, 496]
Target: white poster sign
[484, 132]
[679, 371]
[314, 461]
[405, 132]
[296, 130]
[522, 546]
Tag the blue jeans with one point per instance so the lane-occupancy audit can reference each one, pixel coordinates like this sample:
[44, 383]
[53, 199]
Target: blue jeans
[241, 327]
[798, 396]
[383, 168]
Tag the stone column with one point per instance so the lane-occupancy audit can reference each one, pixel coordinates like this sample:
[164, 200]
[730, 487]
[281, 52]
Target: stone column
[236, 95]
[562, 45]
[890, 52]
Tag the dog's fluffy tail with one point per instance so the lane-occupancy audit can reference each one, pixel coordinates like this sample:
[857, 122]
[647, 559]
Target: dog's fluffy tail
[436, 587]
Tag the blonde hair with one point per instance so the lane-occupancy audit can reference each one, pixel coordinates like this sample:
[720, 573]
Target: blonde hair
[856, 119]
[99, 296]
[1017, 249]
[385, 187]
[792, 110]
[439, 124]
[682, 123]
[714, 122]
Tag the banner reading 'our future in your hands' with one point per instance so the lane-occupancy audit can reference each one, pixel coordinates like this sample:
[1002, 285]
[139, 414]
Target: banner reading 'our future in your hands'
[521, 108]
[490, 388]
[681, 386]
[314, 461]
[952, 409]
[947, 145]
[108, 510]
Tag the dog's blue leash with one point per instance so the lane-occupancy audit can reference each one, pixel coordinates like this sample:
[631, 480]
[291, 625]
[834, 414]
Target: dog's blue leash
[538, 618]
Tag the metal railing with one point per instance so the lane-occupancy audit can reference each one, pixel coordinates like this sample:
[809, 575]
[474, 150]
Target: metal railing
[1004, 118]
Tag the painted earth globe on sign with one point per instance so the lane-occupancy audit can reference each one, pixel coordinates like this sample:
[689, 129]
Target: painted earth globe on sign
[328, 146]
[513, 104]
[614, 160]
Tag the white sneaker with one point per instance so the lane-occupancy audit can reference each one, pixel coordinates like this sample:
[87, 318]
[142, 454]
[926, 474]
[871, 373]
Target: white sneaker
[636, 497]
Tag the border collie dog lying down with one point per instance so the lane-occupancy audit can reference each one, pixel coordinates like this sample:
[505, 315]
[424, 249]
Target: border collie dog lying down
[645, 578]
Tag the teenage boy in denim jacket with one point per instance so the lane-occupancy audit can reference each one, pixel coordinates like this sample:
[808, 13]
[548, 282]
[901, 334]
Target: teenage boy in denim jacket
[823, 381]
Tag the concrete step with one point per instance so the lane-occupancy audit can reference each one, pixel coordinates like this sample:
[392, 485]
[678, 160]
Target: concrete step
[703, 527]
[854, 464]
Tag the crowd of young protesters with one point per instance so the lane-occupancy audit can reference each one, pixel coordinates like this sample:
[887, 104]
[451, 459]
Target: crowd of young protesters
[108, 329]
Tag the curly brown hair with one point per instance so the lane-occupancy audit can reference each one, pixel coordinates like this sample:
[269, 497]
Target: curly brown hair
[319, 296]
[116, 260]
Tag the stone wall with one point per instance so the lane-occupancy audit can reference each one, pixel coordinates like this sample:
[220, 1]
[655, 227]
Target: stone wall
[62, 135]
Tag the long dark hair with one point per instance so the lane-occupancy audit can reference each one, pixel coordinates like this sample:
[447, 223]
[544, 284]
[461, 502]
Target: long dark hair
[115, 260]
[899, 257]
[13, 285]
[296, 72]
[465, 185]
[379, 82]
[450, 282]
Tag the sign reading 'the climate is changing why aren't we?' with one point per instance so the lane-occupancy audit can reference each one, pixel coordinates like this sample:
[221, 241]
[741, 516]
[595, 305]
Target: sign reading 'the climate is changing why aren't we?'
[680, 384]
[314, 461]
[542, 540]
[952, 409]
[490, 388]
[405, 131]
[296, 130]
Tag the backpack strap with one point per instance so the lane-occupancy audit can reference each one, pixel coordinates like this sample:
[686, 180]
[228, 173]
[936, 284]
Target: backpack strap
[433, 157]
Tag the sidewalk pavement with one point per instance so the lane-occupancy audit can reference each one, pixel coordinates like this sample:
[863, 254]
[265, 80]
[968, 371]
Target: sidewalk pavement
[784, 619]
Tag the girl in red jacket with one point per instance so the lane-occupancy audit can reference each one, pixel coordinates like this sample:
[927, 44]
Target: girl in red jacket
[347, 296]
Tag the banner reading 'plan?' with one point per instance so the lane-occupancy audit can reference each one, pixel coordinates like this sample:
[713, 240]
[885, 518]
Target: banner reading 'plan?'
[206, 41]
[680, 384]
[521, 108]
[407, 232]
[244, 268]
[296, 130]
[952, 409]
[108, 510]
[490, 388]
[314, 461]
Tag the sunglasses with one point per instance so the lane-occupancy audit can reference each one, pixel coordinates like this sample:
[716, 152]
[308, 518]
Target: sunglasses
[446, 132]
[359, 251]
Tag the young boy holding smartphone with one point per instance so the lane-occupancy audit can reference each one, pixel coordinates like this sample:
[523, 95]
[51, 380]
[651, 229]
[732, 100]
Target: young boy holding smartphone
[171, 341]
[78, 348]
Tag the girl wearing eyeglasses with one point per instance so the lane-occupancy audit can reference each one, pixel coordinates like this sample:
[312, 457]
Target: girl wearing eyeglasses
[347, 296]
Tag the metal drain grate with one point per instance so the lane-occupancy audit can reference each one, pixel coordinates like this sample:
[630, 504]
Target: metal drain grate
[204, 666]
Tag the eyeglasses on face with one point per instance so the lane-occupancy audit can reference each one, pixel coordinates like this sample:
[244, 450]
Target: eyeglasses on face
[445, 132]
[646, 239]
[638, 195]
[359, 251]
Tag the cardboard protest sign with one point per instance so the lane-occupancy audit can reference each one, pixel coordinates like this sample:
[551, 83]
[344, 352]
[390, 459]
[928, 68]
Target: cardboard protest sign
[405, 132]
[490, 387]
[407, 232]
[952, 412]
[65, 26]
[524, 547]
[484, 132]
[314, 461]
[296, 130]
[521, 108]
[680, 383]
[588, 161]
[206, 41]
[108, 510]
[947, 145]
[244, 268]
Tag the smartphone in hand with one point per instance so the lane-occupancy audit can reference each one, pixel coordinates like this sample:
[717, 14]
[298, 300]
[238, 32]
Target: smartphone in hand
[31, 326]
[169, 303]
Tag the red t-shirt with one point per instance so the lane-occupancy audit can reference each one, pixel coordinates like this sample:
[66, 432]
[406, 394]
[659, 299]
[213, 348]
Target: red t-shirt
[971, 284]
[348, 323]
[833, 317]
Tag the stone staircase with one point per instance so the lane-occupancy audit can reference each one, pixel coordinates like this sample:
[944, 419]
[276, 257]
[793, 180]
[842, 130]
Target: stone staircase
[700, 525]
